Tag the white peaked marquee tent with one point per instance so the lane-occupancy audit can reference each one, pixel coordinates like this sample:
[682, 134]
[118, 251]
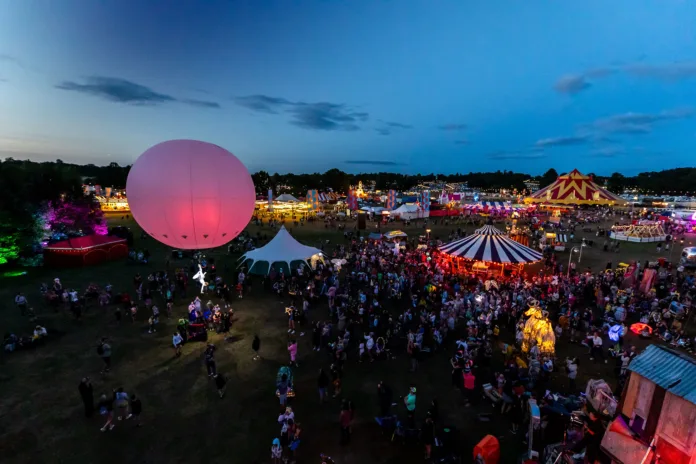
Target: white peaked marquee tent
[283, 248]
[287, 198]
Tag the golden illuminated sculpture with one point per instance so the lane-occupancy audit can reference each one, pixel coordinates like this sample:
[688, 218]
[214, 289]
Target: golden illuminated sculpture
[538, 329]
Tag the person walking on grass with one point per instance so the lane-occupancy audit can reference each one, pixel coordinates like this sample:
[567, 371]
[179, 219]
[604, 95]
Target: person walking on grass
[87, 395]
[106, 407]
[292, 351]
[21, 302]
[282, 388]
[256, 346]
[276, 451]
[104, 351]
[177, 342]
[220, 383]
[121, 403]
[344, 419]
[136, 408]
[210, 360]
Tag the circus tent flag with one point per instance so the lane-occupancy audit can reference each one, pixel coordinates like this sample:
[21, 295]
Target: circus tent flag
[575, 188]
[270, 199]
[313, 199]
[391, 199]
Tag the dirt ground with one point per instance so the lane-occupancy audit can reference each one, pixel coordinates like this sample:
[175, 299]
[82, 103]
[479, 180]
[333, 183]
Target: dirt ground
[41, 416]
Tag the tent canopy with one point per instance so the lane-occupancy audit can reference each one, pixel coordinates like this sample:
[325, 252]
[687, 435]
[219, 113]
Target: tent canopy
[575, 188]
[283, 248]
[287, 197]
[395, 234]
[491, 245]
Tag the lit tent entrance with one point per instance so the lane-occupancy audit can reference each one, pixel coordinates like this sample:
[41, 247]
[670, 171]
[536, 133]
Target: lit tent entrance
[283, 249]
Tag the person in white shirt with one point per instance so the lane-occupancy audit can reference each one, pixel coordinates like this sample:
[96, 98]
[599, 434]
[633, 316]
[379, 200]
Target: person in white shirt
[369, 345]
[596, 350]
[39, 332]
[21, 302]
[177, 341]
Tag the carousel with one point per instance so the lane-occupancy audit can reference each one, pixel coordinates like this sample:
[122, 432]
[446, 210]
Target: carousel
[489, 249]
[641, 232]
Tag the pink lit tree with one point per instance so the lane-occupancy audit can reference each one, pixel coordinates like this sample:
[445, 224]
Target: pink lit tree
[75, 217]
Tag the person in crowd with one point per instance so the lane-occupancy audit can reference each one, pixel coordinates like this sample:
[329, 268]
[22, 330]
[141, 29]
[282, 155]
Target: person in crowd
[87, 394]
[104, 352]
[255, 347]
[136, 409]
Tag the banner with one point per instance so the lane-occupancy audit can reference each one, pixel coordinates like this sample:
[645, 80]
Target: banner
[107, 192]
[352, 200]
[270, 200]
[313, 199]
[391, 200]
[425, 201]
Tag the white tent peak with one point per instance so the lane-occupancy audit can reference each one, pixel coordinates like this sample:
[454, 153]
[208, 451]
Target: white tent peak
[287, 197]
[283, 248]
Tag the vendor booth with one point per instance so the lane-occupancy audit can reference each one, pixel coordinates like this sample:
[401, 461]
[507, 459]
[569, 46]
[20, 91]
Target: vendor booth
[85, 251]
[554, 240]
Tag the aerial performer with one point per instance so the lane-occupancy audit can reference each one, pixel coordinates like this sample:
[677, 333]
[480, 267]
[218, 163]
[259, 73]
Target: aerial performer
[200, 276]
[190, 195]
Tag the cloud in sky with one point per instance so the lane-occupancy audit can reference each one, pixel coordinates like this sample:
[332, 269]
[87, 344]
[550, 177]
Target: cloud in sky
[314, 116]
[562, 141]
[627, 124]
[372, 162]
[119, 90]
[575, 83]
[520, 155]
[452, 127]
[572, 84]
[634, 123]
[201, 103]
[11, 59]
[389, 127]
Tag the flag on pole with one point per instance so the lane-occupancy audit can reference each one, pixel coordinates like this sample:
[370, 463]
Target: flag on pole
[391, 199]
[313, 199]
[425, 201]
[352, 200]
[270, 199]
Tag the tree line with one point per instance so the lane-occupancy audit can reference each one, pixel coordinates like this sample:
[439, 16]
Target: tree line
[26, 182]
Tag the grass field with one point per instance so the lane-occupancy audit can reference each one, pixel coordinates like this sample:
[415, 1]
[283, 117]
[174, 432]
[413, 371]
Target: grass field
[41, 417]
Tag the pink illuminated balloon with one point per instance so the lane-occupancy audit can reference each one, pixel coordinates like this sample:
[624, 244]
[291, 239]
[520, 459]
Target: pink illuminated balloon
[190, 195]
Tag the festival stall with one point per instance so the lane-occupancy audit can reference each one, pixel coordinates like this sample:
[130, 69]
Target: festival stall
[85, 251]
[283, 249]
[489, 245]
[555, 240]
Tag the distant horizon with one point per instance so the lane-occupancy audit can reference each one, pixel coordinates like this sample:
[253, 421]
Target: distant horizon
[377, 171]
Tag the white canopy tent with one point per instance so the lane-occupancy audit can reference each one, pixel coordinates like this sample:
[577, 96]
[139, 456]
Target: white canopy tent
[287, 197]
[408, 212]
[283, 248]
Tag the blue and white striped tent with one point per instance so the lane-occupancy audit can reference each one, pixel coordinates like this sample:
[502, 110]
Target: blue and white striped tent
[491, 245]
[489, 204]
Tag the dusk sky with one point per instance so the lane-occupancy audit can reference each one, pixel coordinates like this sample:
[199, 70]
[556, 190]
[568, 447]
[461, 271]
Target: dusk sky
[362, 85]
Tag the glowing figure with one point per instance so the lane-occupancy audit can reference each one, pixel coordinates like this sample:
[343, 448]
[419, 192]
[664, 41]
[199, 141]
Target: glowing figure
[538, 328]
[200, 276]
